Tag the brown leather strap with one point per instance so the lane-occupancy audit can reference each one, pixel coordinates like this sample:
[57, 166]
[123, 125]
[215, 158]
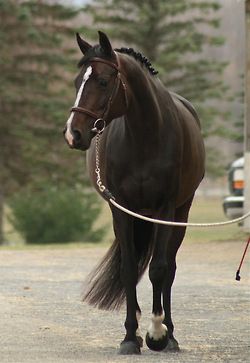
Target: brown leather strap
[118, 80]
[105, 61]
[112, 96]
[84, 110]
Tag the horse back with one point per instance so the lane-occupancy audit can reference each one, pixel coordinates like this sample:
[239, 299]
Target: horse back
[187, 104]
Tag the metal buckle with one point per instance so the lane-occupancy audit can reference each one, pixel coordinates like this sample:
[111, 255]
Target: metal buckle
[98, 129]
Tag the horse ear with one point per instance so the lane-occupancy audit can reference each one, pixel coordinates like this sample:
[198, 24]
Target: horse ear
[105, 43]
[84, 46]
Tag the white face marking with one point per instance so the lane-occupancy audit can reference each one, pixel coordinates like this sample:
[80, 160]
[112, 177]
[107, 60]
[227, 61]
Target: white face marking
[84, 80]
[68, 134]
[156, 329]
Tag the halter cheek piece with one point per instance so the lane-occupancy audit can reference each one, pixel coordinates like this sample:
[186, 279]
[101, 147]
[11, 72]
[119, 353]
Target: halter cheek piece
[100, 123]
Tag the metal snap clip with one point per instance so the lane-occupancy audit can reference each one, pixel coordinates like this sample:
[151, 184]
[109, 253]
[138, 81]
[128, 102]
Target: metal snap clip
[99, 126]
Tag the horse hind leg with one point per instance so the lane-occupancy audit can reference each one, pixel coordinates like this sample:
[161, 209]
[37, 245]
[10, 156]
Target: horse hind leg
[136, 253]
[138, 331]
[129, 274]
[143, 238]
[181, 215]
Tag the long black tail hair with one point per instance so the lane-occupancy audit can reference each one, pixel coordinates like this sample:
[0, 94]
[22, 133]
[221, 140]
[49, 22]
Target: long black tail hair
[104, 288]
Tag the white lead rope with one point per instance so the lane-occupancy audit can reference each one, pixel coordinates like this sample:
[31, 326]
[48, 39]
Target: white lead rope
[109, 197]
[178, 224]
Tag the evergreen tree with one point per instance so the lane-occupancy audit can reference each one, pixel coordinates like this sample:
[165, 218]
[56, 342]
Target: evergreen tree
[37, 68]
[173, 34]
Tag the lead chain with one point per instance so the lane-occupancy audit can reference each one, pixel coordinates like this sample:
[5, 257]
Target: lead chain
[97, 163]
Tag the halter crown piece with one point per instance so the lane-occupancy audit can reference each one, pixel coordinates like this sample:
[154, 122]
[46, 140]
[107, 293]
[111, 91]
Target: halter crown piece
[100, 121]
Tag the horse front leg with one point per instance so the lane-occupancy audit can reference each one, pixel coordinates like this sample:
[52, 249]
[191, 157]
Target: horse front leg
[170, 275]
[123, 228]
[157, 335]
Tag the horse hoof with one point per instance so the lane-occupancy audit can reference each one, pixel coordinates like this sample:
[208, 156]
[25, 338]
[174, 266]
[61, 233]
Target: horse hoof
[129, 348]
[157, 345]
[172, 346]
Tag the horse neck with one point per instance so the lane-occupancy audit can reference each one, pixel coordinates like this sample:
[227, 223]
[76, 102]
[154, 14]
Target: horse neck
[143, 116]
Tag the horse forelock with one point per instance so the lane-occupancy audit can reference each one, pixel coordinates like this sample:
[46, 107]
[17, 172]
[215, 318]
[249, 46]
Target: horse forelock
[95, 52]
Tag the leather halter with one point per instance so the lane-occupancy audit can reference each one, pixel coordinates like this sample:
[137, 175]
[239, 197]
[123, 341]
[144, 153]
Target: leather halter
[118, 80]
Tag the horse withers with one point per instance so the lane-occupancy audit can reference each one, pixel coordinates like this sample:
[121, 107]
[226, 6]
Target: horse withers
[151, 157]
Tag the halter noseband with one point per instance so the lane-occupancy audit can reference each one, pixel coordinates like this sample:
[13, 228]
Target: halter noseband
[100, 123]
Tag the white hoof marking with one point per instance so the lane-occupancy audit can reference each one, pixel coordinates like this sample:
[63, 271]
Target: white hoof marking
[157, 330]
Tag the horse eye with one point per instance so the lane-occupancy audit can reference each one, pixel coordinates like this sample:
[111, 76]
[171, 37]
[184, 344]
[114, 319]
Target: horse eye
[102, 82]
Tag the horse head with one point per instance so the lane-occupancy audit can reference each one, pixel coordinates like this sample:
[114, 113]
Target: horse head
[100, 93]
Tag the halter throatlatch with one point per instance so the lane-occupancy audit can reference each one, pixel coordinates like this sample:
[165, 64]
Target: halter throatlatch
[100, 121]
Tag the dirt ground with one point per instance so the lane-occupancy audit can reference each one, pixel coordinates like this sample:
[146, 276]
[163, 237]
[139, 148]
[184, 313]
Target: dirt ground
[42, 318]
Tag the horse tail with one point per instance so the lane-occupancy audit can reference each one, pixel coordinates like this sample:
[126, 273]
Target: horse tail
[104, 286]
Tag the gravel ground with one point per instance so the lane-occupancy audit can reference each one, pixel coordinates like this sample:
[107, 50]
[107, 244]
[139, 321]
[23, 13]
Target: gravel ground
[42, 318]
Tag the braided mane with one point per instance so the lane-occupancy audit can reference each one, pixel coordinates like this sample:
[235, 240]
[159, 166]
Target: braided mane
[139, 57]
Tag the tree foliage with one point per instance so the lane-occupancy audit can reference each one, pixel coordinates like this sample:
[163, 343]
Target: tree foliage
[37, 66]
[174, 35]
[34, 95]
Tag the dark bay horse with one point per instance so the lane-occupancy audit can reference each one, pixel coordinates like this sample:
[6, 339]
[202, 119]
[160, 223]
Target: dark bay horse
[152, 160]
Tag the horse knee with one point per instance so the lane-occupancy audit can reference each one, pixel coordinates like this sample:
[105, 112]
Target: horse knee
[157, 272]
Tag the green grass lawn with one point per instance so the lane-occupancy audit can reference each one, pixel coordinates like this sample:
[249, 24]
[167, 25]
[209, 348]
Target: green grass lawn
[203, 210]
[206, 210]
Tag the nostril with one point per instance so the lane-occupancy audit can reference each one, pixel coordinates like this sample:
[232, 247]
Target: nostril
[77, 135]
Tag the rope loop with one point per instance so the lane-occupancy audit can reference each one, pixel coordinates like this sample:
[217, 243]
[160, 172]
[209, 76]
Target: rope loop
[110, 198]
